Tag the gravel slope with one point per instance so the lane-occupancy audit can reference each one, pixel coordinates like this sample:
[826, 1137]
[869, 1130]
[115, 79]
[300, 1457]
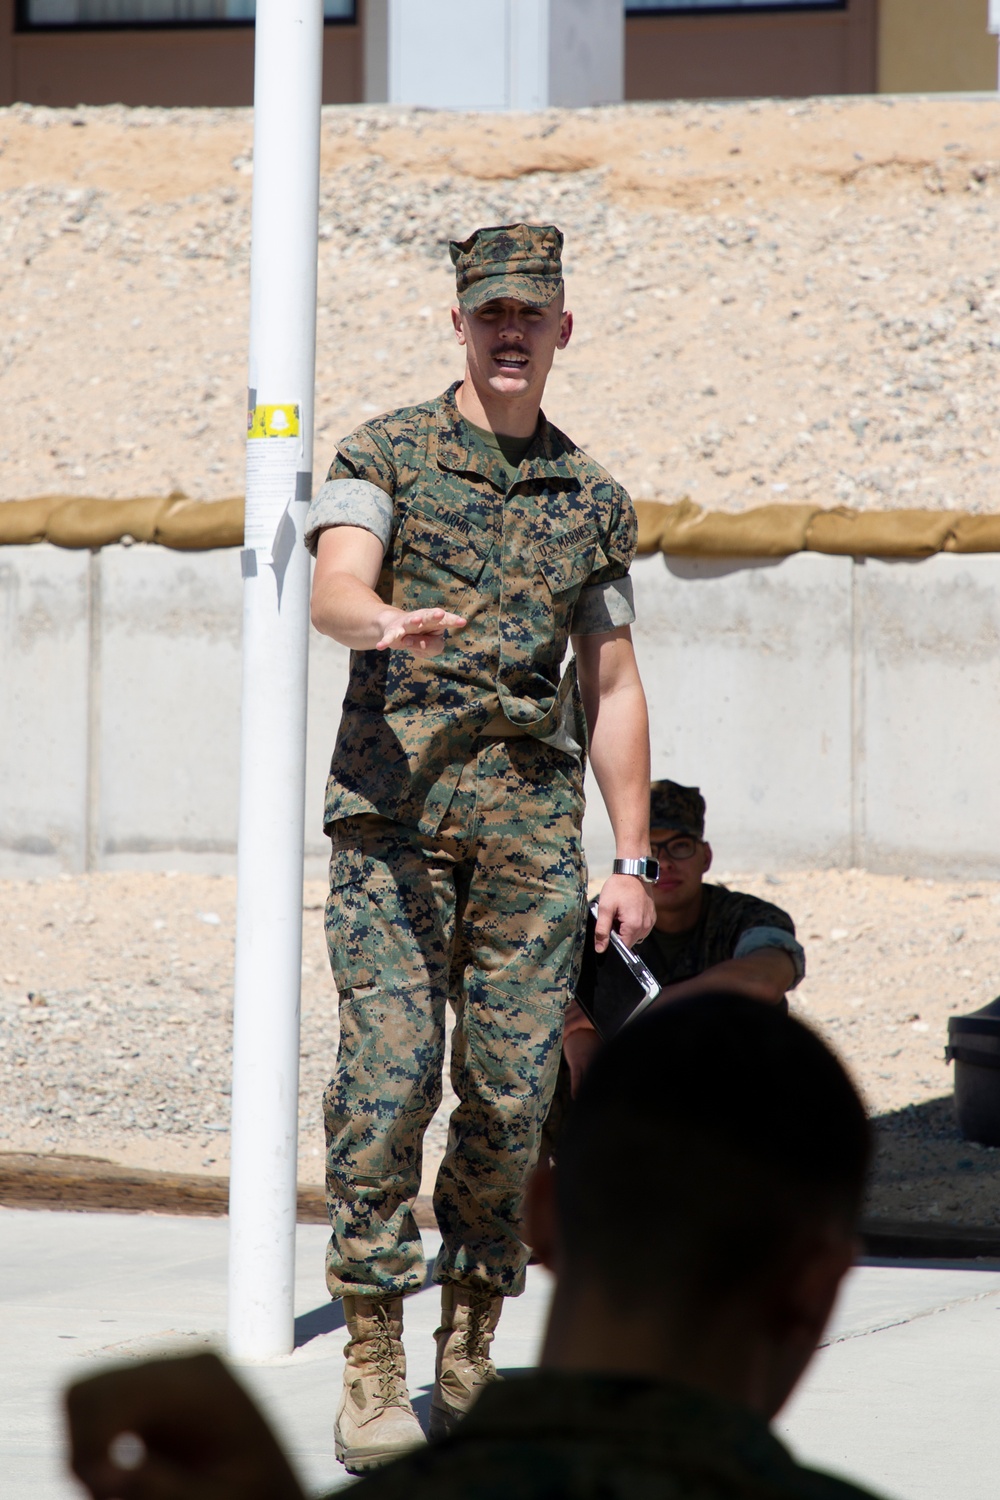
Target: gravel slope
[774, 301]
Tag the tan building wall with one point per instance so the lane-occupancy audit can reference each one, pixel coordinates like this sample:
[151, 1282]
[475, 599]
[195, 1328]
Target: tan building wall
[746, 54]
[666, 57]
[935, 46]
[174, 66]
[893, 46]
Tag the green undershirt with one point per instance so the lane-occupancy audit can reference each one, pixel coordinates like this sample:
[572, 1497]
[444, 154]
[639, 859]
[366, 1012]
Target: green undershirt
[509, 450]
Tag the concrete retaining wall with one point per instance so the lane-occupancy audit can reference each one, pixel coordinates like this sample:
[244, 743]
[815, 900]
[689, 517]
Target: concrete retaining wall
[834, 711]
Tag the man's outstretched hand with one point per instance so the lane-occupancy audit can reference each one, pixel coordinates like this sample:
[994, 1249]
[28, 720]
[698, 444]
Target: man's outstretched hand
[174, 1429]
[422, 632]
[625, 904]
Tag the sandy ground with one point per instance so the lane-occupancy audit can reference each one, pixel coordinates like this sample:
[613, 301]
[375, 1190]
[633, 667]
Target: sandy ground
[116, 1003]
[774, 301]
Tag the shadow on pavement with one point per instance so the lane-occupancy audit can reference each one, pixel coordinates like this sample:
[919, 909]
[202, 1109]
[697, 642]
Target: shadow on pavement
[422, 1403]
[422, 1406]
[926, 1174]
[319, 1320]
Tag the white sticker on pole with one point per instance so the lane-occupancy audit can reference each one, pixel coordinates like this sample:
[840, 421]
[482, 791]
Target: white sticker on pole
[274, 448]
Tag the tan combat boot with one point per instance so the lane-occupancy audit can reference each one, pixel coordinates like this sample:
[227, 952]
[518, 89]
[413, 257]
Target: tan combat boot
[463, 1366]
[375, 1421]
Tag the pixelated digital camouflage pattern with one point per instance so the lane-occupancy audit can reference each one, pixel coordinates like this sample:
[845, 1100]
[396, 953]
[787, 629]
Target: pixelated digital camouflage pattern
[557, 1436]
[725, 916]
[486, 916]
[513, 560]
[676, 807]
[521, 261]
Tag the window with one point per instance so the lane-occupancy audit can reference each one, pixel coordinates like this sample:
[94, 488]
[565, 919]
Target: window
[685, 7]
[39, 15]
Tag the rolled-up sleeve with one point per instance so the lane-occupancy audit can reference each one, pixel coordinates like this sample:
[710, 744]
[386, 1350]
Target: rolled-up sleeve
[349, 502]
[359, 487]
[603, 606]
[606, 600]
[756, 938]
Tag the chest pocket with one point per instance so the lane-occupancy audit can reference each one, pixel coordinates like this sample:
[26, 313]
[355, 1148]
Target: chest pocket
[441, 549]
[566, 565]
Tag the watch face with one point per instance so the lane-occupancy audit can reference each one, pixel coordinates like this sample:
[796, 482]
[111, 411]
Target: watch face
[645, 869]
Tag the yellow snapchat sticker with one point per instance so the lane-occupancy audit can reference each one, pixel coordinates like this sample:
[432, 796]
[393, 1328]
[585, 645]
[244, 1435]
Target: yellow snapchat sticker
[274, 421]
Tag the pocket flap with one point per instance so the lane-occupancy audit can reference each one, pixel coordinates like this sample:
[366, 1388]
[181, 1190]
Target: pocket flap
[447, 547]
[568, 568]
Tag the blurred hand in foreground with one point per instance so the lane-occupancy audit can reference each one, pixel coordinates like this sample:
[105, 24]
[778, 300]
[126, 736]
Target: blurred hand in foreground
[174, 1429]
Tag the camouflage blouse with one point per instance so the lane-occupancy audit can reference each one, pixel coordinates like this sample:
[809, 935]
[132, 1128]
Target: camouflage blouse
[528, 563]
[557, 1436]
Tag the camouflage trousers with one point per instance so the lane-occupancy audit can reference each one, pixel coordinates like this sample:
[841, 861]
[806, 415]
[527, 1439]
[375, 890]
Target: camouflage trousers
[486, 916]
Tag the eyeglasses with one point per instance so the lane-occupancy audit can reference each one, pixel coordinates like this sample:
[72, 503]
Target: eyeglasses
[680, 847]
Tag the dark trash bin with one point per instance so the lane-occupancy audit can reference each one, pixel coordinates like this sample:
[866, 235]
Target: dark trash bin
[974, 1047]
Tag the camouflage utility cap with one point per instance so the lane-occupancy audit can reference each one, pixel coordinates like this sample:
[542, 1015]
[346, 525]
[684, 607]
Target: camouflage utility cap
[521, 261]
[681, 808]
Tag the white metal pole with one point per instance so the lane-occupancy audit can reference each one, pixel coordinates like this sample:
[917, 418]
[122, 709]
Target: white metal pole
[287, 99]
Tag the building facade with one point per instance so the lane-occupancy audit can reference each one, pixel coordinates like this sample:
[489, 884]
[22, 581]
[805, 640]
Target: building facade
[200, 52]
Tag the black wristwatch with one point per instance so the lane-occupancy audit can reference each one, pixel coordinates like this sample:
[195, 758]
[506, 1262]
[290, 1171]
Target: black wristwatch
[646, 869]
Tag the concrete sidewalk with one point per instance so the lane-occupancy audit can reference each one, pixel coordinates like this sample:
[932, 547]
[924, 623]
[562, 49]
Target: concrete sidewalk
[903, 1397]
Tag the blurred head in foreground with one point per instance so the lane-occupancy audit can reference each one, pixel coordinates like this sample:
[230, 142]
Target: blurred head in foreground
[704, 1208]
[699, 1223]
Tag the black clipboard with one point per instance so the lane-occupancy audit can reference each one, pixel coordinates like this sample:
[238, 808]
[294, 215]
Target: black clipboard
[614, 986]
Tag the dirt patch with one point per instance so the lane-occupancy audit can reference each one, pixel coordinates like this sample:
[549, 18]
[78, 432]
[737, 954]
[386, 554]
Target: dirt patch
[117, 1017]
[116, 1006]
[774, 302]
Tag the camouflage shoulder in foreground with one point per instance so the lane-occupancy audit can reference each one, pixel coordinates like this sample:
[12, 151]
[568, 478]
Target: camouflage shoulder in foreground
[554, 1436]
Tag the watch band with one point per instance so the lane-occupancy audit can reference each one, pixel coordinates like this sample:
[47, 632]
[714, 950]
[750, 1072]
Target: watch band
[646, 869]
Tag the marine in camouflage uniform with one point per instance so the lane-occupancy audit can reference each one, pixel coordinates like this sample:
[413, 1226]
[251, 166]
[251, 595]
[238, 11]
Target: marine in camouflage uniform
[706, 936]
[730, 925]
[454, 807]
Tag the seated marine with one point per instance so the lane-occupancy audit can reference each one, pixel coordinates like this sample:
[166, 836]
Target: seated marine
[706, 937]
